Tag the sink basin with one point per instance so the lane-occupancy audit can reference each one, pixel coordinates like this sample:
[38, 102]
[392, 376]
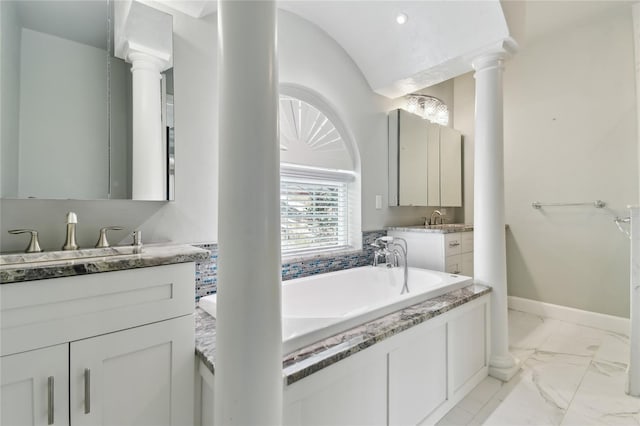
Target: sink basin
[59, 256]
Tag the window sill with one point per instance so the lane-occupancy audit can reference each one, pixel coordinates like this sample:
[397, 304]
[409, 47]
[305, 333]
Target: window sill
[319, 254]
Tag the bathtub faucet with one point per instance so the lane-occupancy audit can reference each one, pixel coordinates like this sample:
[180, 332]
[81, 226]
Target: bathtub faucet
[390, 252]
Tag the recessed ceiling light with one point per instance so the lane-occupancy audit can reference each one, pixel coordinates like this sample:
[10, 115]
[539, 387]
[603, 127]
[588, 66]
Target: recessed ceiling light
[402, 18]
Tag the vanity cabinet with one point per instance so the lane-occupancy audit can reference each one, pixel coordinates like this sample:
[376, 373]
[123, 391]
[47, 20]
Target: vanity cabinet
[448, 252]
[118, 345]
[425, 162]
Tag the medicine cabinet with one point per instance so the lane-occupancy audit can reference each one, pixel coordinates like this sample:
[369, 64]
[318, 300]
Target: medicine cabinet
[425, 162]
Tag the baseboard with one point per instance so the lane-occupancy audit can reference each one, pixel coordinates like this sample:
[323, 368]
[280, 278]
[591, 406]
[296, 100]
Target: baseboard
[565, 313]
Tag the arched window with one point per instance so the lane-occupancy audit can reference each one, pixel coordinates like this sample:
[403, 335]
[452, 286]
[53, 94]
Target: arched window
[318, 181]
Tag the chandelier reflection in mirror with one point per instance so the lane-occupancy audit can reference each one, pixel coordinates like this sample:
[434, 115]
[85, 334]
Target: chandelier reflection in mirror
[429, 107]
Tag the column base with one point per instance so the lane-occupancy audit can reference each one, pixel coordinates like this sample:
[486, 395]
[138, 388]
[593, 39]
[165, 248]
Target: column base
[504, 367]
[630, 390]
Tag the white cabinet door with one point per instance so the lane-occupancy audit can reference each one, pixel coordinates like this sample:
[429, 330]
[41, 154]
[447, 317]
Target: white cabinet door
[467, 264]
[35, 387]
[418, 376]
[450, 167]
[413, 158]
[140, 376]
[467, 337]
[351, 392]
[433, 165]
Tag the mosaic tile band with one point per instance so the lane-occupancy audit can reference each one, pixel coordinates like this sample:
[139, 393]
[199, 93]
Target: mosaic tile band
[207, 270]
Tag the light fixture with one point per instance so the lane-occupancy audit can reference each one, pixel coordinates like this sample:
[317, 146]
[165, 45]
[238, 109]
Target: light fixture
[429, 107]
[402, 18]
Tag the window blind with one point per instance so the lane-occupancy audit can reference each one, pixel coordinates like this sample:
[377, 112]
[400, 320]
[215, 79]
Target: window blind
[313, 213]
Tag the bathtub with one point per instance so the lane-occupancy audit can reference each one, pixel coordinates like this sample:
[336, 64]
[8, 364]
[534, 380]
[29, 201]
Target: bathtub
[320, 306]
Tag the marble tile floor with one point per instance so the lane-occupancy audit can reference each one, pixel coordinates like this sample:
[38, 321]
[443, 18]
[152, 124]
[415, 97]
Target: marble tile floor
[571, 375]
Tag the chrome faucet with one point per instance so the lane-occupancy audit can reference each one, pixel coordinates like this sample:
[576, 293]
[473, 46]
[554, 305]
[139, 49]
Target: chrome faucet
[70, 243]
[391, 252]
[434, 220]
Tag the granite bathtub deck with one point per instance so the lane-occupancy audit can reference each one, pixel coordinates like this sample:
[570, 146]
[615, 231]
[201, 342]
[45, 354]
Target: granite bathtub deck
[324, 353]
[17, 268]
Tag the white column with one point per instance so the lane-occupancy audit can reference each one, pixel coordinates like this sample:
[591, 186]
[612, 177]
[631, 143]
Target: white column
[633, 383]
[149, 157]
[490, 259]
[636, 42]
[248, 365]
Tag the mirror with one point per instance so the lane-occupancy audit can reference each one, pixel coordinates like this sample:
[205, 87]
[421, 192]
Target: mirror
[67, 115]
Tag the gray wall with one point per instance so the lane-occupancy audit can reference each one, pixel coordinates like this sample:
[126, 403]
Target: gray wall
[10, 88]
[308, 57]
[570, 135]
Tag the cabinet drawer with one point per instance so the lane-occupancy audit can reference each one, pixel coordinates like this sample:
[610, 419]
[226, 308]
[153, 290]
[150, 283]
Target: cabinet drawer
[467, 242]
[47, 312]
[453, 264]
[452, 244]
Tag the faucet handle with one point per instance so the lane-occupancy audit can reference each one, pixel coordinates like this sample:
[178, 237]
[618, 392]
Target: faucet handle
[102, 240]
[34, 245]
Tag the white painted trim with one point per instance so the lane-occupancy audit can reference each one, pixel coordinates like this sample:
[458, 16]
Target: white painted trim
[565, 313]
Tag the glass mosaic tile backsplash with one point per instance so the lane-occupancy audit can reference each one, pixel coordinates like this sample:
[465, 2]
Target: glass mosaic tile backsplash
[207, 271]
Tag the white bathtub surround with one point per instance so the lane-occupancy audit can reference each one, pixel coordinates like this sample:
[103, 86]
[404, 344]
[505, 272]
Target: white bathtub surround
[316, 307]
[144, 37]
[248, 381]
[489, 217]
[408, 367]
[633, 385]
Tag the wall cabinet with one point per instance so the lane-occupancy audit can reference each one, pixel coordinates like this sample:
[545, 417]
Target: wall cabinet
[99, 371]
[425, 162]
[447, 252]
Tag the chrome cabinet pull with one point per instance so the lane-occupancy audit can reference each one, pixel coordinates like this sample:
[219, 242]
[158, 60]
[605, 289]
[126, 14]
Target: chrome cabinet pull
[454, 244]
[50, 395]
[87, 391]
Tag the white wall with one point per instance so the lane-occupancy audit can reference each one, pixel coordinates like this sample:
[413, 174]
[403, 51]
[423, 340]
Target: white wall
[10, 81]
[69, 94]
[308, 57]
[570, 135]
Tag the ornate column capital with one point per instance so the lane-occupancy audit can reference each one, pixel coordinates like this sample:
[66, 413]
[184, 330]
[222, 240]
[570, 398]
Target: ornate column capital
[495, 55]
[142, 58]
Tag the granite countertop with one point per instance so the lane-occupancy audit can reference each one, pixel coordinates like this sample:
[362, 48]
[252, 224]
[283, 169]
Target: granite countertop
[16, 268]
[324, 353]
[433, 229]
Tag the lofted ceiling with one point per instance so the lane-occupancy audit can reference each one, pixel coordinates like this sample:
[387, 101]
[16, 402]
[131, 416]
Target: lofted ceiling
[436, 43]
